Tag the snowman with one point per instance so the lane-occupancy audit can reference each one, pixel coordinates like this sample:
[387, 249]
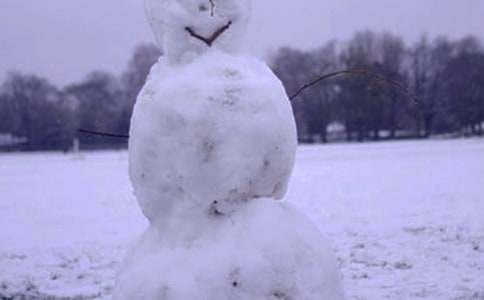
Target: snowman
[212, 148]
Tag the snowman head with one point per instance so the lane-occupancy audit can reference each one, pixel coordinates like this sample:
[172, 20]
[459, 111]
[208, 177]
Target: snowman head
[185, 29]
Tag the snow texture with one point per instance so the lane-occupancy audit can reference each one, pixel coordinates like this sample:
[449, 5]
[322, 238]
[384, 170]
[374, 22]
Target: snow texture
[212, 146]
[406, 219]
[210, 135]
[263, 251]
[213, 143]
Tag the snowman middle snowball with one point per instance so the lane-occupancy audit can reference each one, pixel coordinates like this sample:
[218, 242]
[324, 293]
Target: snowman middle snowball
[211, 128]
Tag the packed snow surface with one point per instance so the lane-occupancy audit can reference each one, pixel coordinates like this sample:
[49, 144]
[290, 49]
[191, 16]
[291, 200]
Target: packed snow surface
[219, 130]
[264, 251]
[406, 219]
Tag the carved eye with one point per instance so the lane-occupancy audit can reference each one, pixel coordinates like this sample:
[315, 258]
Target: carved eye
[202, 7]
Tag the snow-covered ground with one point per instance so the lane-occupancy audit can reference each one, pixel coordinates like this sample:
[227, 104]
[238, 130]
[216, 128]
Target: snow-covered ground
[406, 219]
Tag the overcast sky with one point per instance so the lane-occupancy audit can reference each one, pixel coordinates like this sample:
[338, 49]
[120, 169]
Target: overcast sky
[65, 39]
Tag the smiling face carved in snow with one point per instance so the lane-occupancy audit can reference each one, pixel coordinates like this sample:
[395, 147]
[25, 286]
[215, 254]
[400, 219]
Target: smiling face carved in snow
[185, 29]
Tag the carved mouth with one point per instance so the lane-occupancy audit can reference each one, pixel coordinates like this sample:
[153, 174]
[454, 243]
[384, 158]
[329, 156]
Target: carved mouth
[210, 40]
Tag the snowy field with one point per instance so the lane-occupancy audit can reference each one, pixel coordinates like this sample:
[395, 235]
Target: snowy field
[406, 219]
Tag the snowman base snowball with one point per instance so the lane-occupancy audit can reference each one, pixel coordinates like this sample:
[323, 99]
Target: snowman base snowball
[265, 251]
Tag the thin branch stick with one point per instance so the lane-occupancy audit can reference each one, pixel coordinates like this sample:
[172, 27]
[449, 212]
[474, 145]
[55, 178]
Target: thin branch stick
[212, 7]
[377, 77]
[104, 134]
[210, 40]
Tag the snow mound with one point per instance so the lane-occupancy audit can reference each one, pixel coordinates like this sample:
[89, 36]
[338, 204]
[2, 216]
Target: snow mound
[266, 250]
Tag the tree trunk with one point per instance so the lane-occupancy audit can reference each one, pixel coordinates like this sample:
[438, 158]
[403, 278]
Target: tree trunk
[349, 134]
[393, 120]
[428, 125]
[361, 135]
[376, 134]
[473, 129]
[324, 135]
[393, 134]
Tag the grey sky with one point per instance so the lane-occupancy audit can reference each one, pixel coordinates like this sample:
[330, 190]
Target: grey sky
[65, 39]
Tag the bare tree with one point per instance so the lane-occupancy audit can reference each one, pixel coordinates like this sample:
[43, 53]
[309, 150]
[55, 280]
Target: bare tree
[393, 53]
[428, 80]
[361, 109]
[465, 73]
[33, 104]
[99, 99]
[321, 99]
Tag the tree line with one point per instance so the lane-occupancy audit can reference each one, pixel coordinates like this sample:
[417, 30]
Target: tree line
[443, 94]
[48, 117]
[444, 82]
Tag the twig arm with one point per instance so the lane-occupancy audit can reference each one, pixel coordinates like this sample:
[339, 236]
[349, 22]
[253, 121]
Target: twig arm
[104, 134]
[321, 78]
[366, 73]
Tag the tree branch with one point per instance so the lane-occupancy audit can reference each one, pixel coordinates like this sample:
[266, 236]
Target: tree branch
[210, 40]
[104, 134]
[375, 76]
